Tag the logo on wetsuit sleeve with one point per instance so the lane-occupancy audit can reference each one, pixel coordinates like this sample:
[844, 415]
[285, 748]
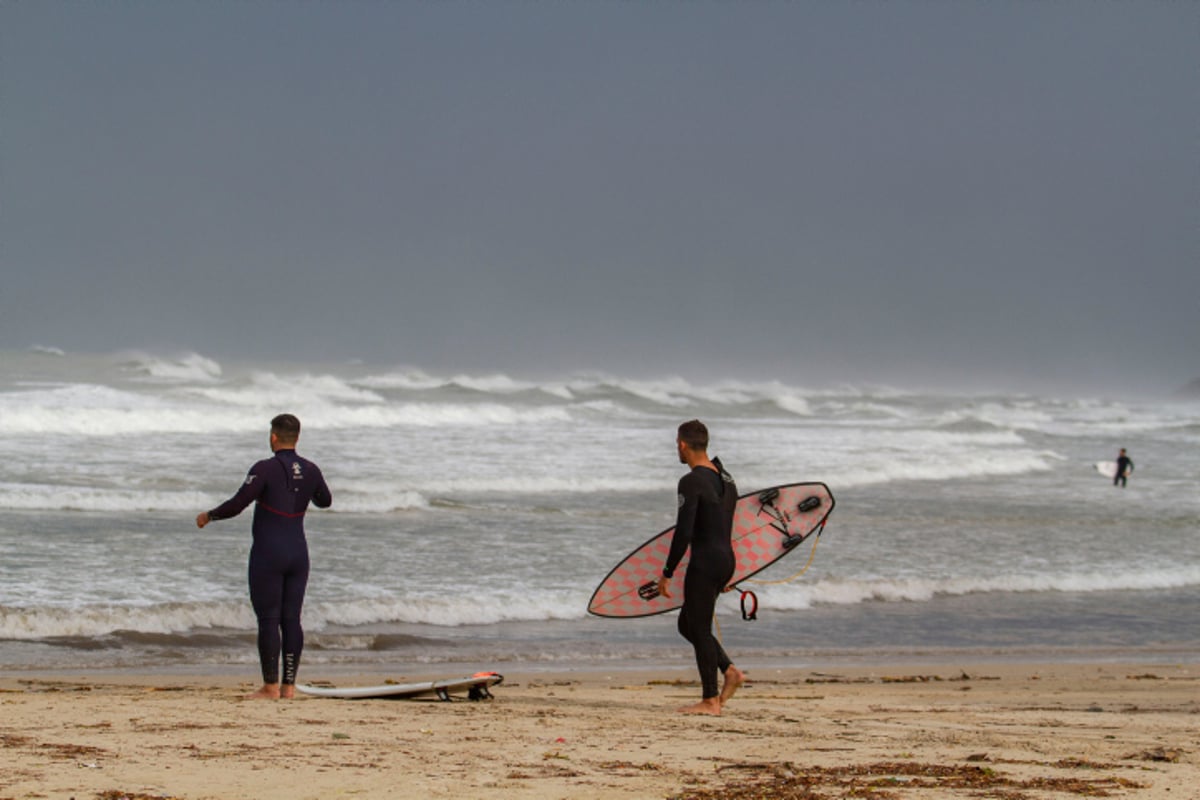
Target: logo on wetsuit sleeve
[250, 479]
[681, 499]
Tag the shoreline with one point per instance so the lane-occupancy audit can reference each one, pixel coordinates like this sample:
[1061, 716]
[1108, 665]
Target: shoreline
[905, 731]
[675, 656]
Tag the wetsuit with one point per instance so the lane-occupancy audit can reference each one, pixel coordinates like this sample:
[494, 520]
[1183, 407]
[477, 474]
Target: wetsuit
[1124, 464]
[704, 523]
[283, 486]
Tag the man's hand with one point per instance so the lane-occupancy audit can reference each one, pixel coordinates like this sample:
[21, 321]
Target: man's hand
[664, 586]
[202, 519]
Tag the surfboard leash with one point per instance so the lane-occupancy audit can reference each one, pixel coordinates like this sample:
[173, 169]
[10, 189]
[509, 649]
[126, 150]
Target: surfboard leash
[750, 613]
[811, 555]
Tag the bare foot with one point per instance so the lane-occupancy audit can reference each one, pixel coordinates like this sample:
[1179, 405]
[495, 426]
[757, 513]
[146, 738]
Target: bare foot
[734, 678]
[287, 691]
[709, 705]
[269, 691]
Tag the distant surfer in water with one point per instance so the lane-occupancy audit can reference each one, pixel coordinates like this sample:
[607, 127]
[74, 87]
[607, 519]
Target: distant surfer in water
[707, 497]
[1124, 467]
[283, 485]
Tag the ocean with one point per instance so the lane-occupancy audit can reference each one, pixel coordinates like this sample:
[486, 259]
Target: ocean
[474, 514]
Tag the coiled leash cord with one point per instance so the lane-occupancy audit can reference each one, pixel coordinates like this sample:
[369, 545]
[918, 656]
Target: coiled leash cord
[750, 613]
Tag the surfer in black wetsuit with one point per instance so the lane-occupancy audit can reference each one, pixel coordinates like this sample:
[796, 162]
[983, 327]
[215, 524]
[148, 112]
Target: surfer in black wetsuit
[283, 485]
[707, 497]
[1124, 467]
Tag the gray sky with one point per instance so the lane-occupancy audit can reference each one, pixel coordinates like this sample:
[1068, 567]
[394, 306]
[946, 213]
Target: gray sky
[953, 192]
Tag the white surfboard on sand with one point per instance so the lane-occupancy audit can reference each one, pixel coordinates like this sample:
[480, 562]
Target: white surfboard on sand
[476, 685]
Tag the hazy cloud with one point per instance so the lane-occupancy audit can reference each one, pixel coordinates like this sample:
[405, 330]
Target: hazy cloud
[911, 191]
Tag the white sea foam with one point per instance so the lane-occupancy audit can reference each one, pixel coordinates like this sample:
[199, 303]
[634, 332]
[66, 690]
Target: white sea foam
[794, 404]
[924, 456]
[84, 410]
[801, 595]
[188, 368]
[355, 499]
[519, 604]
[378, 499]
[46, 622]
[93, 410]
[492, 384]
[518, 484]
[475, 608]
[437, 415]
[88, 410]
[268, 390]
[472, 608]
[499, 384]
[408, 378]
[45, 497]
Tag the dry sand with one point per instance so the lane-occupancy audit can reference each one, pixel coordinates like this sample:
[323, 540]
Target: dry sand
[1004, 731]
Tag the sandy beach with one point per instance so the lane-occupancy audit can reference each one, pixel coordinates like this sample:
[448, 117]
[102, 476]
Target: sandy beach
[1002, 730]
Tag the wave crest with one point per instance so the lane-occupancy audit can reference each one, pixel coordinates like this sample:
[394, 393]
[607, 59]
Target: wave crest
[916, 590]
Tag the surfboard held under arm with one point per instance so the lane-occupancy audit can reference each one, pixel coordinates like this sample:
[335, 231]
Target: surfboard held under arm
[1109, 469]
[767, 525]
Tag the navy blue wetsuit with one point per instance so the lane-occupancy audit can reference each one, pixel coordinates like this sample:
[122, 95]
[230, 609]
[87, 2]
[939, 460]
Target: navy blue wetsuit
[283, 486]
[704, 523]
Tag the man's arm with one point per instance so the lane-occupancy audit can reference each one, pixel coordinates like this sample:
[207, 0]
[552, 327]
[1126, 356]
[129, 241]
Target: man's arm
[322, 497]
[245, 495]
[685, 523]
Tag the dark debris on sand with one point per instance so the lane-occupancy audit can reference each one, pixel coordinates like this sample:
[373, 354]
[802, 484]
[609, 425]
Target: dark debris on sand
[889, 781]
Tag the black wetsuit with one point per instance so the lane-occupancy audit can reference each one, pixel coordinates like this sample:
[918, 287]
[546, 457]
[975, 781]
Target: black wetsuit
[283, 486]
[1124, 463]
[704, 523]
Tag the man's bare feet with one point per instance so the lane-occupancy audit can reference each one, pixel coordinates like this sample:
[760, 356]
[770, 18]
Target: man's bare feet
[734, 678]
[287, 691]
[269, 691]
[709, 705]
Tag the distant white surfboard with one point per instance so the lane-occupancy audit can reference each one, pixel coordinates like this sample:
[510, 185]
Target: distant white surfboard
[476, 685]
[1109, 469]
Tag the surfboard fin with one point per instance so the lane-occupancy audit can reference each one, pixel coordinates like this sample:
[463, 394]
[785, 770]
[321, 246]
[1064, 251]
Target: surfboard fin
[479, 692]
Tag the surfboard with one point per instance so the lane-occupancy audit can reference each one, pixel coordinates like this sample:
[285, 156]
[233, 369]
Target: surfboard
[767, 525]
[1109, 469]
[477, 687]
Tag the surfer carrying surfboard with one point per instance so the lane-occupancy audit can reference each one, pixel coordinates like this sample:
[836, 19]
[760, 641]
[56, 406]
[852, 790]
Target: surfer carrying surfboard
[704, 523]
[283, 486]
[1124, 467]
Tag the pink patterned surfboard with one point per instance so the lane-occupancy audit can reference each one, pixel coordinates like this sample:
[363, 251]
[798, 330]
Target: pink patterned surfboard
[767, 525]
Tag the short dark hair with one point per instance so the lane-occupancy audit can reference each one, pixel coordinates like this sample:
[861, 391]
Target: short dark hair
[286, 427]
[694, 434]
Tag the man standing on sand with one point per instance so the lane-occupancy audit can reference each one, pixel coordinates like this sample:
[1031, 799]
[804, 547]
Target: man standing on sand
[1124, 467]
[283, 485]
[707, 497]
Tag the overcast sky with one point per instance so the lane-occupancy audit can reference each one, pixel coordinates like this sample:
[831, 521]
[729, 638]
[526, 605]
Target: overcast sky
[815, 191]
